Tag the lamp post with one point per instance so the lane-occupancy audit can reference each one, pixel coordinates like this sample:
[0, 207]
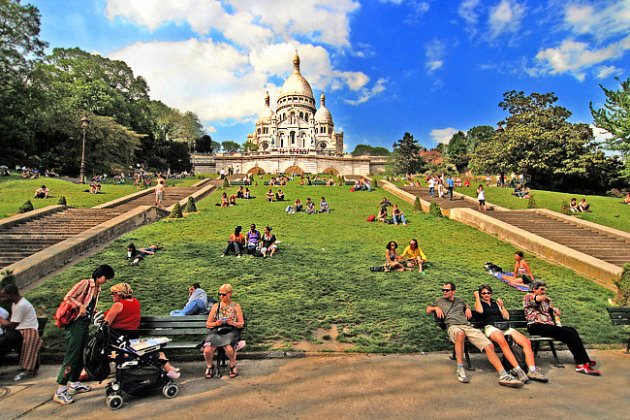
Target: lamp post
[85, 122]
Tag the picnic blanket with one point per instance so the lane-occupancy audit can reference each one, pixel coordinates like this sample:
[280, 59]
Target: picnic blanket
[496, 271]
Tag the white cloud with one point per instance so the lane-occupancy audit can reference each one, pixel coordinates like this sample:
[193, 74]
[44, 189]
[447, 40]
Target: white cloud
[600, 134]
[468, 10]
[443, 135]
[367, 94]
[603, 72]
[601, 20]
[573, 57]
[506, 17]
[434, 53]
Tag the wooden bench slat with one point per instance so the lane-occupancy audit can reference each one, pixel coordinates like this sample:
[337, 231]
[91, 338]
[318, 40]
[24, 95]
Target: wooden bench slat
[173, 324]
[172, 332]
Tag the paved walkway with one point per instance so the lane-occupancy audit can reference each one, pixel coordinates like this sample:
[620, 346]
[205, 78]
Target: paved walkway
[349, 386]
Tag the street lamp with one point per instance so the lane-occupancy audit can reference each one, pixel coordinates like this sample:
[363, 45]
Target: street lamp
[85, 122]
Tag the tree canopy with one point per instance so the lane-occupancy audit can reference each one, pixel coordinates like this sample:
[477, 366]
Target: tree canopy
[406, 158]
[366, 149]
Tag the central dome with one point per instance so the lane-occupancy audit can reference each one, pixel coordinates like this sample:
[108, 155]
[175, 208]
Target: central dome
[296, 84]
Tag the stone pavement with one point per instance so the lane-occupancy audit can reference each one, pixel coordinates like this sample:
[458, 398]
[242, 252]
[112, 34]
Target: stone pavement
[362, 386]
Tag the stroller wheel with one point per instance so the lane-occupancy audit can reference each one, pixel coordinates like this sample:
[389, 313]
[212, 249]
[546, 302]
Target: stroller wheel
[170, 390]
[114, 402]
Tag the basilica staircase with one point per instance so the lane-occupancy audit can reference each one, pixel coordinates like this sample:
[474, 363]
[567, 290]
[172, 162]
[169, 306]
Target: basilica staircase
[458, 200]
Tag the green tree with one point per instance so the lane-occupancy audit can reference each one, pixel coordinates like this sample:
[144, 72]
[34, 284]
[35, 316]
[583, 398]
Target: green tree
[204, 144]
[614, 117]
[406, 157]
[366, 149]
[230, 146]
[20, 49]
[457, 151]
[477, 135]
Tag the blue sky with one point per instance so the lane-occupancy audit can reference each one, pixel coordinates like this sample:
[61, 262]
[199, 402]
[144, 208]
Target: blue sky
[387, 66]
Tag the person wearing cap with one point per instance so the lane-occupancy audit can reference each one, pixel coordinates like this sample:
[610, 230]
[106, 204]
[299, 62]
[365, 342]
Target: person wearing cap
[84, 297]
[20, 332]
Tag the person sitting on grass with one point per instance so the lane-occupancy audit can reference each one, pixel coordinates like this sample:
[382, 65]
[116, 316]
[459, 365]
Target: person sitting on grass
[382, 215]
[279, 196]
[270, 195]
[398, 216]
[232, 200]
[626, 200]
[522, 274]
[494, 317]
[224, 200]
[95, 187]
[226, 314]
[236, 243]
[41, 192]
[240, 193]
[268, 243]
[456, 314]
[253, 239]
[540, 314]
[584, 206]
[414, 255]
[392, 259]
[295, 208]
[323, 206]
[310, 206]
[573, 206]
[197, 302]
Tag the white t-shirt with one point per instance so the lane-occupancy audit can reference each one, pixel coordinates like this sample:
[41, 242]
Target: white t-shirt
[24, 314]
[4, 315]
[481, 195]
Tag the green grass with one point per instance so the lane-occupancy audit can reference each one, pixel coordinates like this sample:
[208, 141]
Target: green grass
[14, 191]
[321, 275]
[607, 211]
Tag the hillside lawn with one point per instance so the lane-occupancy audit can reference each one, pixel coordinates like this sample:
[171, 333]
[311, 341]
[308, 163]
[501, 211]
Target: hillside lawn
[320, 278]
[15, 191]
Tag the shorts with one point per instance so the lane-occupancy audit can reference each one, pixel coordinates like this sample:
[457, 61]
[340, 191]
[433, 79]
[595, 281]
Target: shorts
[159, 196]
[482, 202]
[270, 248]
[475, 336]
[491, 329]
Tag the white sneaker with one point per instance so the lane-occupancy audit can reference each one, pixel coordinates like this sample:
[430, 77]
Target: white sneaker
[173, 374]
[461, 376]
[62, 398]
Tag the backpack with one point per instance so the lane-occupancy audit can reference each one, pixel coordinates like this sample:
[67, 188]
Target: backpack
[371, 218]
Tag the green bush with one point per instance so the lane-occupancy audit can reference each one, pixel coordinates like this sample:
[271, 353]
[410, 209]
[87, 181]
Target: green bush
[6, 278]
[226, 183]
[623, 287]
[416, 205]
[191, 206]
[374, 184]
[531, 203]
[176, 213]
[62, 201]
[434, 210]
[26, 207]
[565, 208]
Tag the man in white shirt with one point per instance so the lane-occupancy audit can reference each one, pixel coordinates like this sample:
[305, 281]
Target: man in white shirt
[20, 331]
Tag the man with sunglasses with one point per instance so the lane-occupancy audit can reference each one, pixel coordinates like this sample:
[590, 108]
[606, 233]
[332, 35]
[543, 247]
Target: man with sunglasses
[456, 313]
[539, 313]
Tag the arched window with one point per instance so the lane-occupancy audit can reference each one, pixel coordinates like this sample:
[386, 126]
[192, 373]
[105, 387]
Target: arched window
[306, 117]
[301, 115]
[258, 130]
[292, 138]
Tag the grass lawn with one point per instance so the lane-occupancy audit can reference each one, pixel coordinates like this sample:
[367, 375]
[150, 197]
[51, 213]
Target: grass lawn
[320, 278]
[14, 191]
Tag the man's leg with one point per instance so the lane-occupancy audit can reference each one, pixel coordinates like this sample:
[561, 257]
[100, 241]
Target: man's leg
[567, 335]
[10, 339]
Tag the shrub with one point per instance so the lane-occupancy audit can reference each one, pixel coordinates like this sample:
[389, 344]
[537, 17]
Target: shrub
[176, 213]
[623, 287]
[416, 205]
[62, 201]
[434, 209]
[26, 207]
[226, 183]
[340, 181]
[565, 208]
[531, 203]
[191, 206]
[6, 278]
[374, 184]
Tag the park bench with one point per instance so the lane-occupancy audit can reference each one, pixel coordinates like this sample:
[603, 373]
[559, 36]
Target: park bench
[42, 325]
[185, 331]
[318, 182]
[621, 316]
[236, 183]
[517, 321]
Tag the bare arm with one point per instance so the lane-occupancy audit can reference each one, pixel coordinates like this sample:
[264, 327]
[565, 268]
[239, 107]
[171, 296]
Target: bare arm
[116, 308]
[211, 322]
[478, 305]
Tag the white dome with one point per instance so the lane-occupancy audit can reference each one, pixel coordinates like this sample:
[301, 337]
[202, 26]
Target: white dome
[266, 113]
[323, 114]
[296, 84]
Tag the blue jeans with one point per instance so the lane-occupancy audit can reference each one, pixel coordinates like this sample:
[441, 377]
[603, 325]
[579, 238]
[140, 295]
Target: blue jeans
[400, 219]
[192, 308]
[432, 191]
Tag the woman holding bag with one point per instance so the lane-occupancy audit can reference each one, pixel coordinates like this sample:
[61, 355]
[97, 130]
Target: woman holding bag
[74, 315]
[224, 323]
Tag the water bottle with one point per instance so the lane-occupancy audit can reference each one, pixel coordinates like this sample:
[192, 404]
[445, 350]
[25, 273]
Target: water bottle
[556, 319]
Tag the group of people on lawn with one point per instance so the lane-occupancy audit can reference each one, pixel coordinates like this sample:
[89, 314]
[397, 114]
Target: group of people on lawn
[252, 243]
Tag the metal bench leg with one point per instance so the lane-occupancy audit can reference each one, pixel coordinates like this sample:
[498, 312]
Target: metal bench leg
[535, 345]
[628, 347]
[556, 361]
[469, 365]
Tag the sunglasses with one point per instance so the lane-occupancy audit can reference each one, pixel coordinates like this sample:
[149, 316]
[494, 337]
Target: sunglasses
[486, 293]
[224, 294]
[542, 289]
[446, 290]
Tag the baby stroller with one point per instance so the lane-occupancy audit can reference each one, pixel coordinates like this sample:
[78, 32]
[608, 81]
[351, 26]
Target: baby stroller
[139, 370]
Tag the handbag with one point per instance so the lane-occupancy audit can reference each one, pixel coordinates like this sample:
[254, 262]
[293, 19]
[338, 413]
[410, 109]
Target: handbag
[65, 315]
[502, 325]
[222, 329]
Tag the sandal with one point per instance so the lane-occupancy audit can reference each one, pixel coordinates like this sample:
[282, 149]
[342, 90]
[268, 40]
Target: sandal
[233, 372]
[209, 373]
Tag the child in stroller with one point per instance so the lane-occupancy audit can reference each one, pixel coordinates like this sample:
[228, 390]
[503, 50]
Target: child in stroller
[139, 367]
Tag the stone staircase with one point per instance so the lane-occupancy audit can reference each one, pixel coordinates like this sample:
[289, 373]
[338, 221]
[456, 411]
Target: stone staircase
[599, 244]
[171, 196]
[458, 201]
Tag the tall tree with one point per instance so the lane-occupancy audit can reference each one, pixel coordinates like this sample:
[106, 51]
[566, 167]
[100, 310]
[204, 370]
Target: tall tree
[614, 117]
[406, 158]
[20, 49]
[230, 146]
[478, 135]
[204, 144]
[457, 151]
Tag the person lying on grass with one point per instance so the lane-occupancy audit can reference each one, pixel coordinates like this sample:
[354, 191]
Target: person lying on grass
[197, 302]
[494, 315]
[295, 208]
[413, 255]
[522, 274]
[392, 259]
[135, 255]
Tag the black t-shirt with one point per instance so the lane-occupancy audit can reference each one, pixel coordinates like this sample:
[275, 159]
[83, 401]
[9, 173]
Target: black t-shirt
[491, 313]
[267, 242]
